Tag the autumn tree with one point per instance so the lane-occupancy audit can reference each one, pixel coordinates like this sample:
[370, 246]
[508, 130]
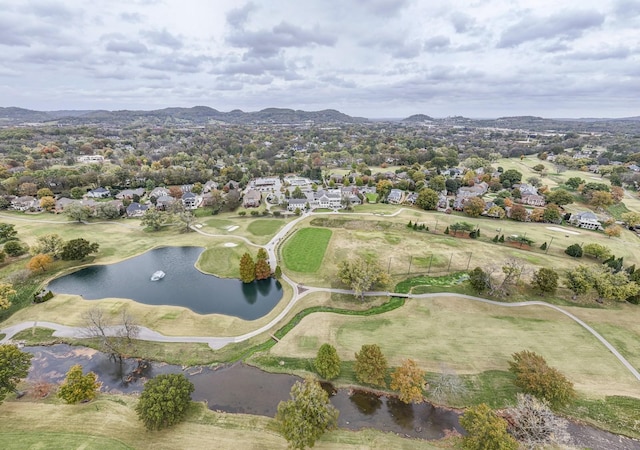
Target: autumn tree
[307, 415]
[263, 269]
[552, 214]
[519, 213]
[48, 203]
[578, 280]
[545, 281]
[485, 430]
[77, 387]
[164, 401]
[597, 251]
[474, 206]
[613, 231]
[408, 380]
[14, 366]
[371, 365]
[361, 274]
[175, 192]
[6, 292]
[78, 249]
[631, 219]
[534, 376]
[247, 268]
[427, 199]
[327, 362]
[39, 262]
[44, 192]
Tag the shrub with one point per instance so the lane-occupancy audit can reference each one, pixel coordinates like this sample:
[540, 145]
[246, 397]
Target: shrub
[78, 387]
[485, 430]
[574, 250]
[15, 248]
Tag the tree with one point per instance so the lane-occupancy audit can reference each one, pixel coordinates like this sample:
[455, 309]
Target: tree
[307, 415]
[408, 379]
[438, 183]
[77, 192]
[511, 175]
[39, 262]
[534, 425]
[545, 281]
[327, 362]
[452, 184]
[14, 366]
[50, 244]
[535, 377]
[247, 268]
[574, 182]
[107, 211]
[77, 249]
[631, 219]
[614, 286]
[78, 387]
[7, 232]
[175, 192]
[15, 248]
[574, 250]
[447, 386]
[44, 192]
[485, 430]
[478, 279]
[613, 231]
[154, 218]
[597, 251]
[578, 280]
[277, 273]
[427, 199]
[519, 213]
[496, 211]
[6, 292]
[601, 199]
[263, 269]
[77, 211]
[361, 274]
[47, 203]
[115, 337]
[164, 401]
[371, 365]
[383, 187]
[474, 207]
[297, 193]
[552, 214]
[560, 197]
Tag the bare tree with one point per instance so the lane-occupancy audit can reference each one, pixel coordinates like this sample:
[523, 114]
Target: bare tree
[116, 336]
[447, 386]
[534, 425]
[502, 279]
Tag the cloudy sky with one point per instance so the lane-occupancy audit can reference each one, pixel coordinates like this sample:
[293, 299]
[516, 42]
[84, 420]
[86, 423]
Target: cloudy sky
[371, 58]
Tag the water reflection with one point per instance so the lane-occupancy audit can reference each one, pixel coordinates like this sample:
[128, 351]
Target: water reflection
[366, 402]
[183, 285]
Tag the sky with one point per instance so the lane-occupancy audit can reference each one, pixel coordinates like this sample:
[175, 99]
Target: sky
[368, 58]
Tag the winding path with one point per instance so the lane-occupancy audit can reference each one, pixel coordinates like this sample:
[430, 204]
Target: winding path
[271, 248]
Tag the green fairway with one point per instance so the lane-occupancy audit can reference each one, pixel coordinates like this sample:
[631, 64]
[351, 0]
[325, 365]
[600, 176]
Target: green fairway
[265, 227]
[305, 250]
[54, 441]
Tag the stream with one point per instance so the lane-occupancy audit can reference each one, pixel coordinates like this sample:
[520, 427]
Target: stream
[243, 389]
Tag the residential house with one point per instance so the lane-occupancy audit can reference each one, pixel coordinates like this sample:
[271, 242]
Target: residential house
[443, 202]
[191, 200]
[164, 201]
[525, 189]
[395, 196]
[267, 184]
[159, 192]
[25, 203]
[135, 209]
[330, 198]
[90, 159]
[209, 186]
[533, 200]
[130, 193]
[63, 202]
[252, 199]
[411, 198]
[99, 193]
[586, 220]
[634, 168]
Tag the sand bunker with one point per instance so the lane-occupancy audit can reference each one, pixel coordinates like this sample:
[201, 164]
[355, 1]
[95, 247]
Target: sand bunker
[232, 227]
[562, 230]
[230, 244]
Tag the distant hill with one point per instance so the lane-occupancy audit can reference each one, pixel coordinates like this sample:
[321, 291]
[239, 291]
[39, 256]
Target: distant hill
[197, 115]
[418, 118]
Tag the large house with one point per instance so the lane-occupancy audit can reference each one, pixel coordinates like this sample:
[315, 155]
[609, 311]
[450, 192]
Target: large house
[191, 200]
[252, 199]
[99, 193]
[130, 193]
[136, 209]
[533, 200]
[395, 196]
[297, 203]
[330, 198]
[586, 220]
[25, 203]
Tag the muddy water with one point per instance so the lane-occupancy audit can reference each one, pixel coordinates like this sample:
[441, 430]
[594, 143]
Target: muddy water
[246, 390]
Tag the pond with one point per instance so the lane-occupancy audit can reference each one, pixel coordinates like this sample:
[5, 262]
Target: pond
[183, 284]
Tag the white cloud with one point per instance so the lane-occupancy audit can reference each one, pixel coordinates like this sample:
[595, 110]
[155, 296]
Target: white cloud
[377, 58]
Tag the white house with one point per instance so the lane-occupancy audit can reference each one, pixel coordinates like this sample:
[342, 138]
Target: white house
[586, 220]
[99, 193]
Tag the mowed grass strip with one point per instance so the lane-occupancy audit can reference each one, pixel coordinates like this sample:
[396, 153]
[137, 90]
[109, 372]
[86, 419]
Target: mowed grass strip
[305, 250]
[265, 227]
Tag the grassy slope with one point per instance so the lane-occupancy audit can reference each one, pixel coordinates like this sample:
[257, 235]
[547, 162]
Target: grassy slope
[113, 417]
[304, 251]
[470, 338]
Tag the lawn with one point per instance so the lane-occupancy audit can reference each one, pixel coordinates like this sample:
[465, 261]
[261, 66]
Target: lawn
[304, 251]
[470, 338]
[265, 227]
[113, 424]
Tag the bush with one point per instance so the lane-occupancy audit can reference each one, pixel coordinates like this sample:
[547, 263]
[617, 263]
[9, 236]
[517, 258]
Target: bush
[485, 430]
[242, 213]
[42, 296]
[77, 387]
[164, 401]
[15, 248]
[255, 213]
[574, 250]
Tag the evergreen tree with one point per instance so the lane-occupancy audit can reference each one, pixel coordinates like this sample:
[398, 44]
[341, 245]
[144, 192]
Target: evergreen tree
[247, 268]
[327, 362]
[409, 225]
[543, 246]
[78, 387]
[371, 365]
[495, 238]
[263, 270]
[446, 230]
[164, 401]
[277, 274]
[501, 239]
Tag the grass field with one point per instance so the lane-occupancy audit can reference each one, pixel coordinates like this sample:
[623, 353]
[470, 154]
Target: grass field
[265, 227]
[111, 423]
[470, 338]
[305, 250]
